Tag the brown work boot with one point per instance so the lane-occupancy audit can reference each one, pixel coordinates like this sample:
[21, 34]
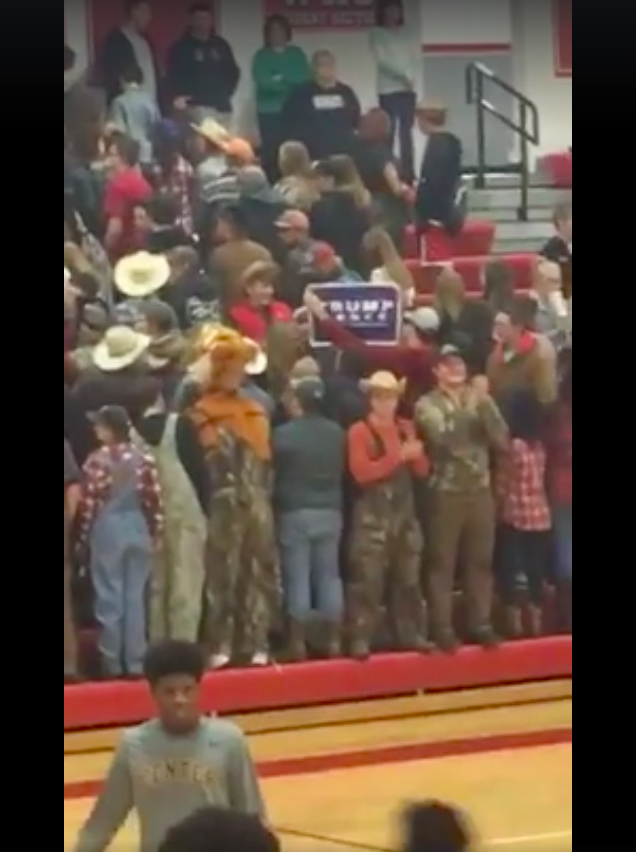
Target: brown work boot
[486, 638]
[360, 650]
[514, 623]
[447, 642]
[297, 646]
[333, 644]
[536, 626]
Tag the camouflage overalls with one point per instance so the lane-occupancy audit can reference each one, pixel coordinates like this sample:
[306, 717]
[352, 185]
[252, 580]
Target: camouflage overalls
[244, 587]
[387, 548]
[461, 435]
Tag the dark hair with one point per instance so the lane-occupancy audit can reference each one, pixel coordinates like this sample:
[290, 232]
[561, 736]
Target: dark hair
[132, 74]
[216, 830]
[131, 5]
[70, 58]
[200, 8]
[88, 283]
[235, 216]
[167, 146]
[168, 659]
[115, 419]
[383, 7]
[128, 149]
[163, 209]
[500, 285]
[436, 827]
[272, 23]
[523, 312]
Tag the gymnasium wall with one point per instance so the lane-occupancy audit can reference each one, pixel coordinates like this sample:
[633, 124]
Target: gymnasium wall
[529, 42]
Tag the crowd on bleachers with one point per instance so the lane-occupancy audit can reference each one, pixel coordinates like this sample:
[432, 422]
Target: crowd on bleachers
[241, 467]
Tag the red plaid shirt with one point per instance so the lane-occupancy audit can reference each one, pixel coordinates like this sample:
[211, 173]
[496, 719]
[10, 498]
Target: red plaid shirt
[98, 482]
[521, 488]
[560, 461]
[179, 183]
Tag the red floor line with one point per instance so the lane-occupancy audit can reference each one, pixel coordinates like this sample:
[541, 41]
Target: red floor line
[299, 766]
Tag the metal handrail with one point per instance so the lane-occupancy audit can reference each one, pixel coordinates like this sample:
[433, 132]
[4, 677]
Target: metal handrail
[527, 127]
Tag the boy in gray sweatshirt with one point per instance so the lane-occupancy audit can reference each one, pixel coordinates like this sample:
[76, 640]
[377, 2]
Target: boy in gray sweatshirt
[175, 765]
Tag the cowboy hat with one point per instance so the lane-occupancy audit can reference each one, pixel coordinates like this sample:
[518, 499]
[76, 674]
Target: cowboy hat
[121, 348]
[259, 364]
[214, 132]
[142, 275]
[384, 382]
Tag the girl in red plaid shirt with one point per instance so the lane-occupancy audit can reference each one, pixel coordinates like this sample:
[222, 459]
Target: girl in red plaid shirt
[525, 515]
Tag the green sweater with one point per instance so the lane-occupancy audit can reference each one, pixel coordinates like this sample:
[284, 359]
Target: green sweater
[276, 73]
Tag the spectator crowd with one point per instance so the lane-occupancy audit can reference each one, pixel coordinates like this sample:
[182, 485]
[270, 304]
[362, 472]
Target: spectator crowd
[229, 481]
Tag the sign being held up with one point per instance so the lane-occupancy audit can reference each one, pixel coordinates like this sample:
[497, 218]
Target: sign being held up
[373, 312]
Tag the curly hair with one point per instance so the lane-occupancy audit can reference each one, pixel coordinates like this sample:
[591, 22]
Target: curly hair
[216, 830]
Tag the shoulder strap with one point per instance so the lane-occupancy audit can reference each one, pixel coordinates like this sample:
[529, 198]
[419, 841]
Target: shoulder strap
[379, 448]
[170, 435]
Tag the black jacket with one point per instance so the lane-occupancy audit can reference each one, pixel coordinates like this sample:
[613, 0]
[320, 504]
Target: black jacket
[116, 56]
[325, 120]
[205, 72]
[440, 183]
[337, 220]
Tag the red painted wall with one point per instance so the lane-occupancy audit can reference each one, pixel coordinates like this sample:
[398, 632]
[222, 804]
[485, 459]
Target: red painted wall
[563, 37]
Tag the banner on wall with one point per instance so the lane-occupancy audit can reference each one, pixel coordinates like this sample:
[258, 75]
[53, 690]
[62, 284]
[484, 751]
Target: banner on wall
[169, 22]
[563, 37]
[325, 14]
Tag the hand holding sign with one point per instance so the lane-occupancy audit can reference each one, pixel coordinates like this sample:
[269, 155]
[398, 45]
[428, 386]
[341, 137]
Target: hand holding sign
[373, 312]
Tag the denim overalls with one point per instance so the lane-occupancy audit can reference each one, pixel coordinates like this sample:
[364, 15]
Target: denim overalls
[121, 567]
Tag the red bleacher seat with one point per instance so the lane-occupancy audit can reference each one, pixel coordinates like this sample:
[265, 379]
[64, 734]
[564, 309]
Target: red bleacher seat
[471, 269]
[477, 239]
[558, 168]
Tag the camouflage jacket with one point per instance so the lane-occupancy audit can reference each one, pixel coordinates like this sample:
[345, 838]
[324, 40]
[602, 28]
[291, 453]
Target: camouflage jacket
[460, 437]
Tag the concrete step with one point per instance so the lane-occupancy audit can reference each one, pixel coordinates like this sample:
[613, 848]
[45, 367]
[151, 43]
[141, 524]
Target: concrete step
[504, 215]
[541, 230]
[510, 199]
[519, 237]
[512, 180]
[520, 246]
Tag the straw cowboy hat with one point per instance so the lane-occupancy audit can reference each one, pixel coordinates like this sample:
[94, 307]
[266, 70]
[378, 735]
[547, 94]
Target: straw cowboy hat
[142, 275]
[259, 364]
[385, 383]
[214, 132]
[121, 348]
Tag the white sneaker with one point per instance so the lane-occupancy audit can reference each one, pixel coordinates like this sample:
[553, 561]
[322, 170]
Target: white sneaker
[261, 660]
[220, 661]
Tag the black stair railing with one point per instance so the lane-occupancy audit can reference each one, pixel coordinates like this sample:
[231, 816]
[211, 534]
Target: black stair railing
[526, 125]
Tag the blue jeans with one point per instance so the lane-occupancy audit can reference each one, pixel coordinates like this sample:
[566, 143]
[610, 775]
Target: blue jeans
[310, 553]
[121, 568]
[563, 541]
[401, 109]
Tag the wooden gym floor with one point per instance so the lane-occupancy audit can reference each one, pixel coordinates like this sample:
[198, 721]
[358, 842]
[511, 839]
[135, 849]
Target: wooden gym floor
[335, 777]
